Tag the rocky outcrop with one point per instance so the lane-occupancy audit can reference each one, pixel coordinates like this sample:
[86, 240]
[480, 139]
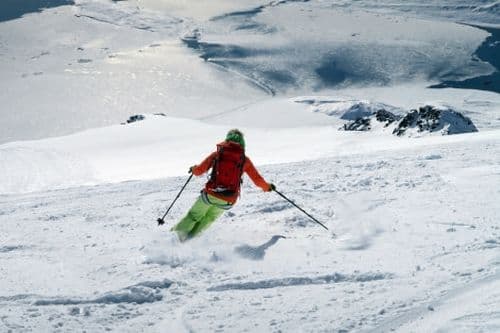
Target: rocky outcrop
[384, 117]
[427, 119]
[431, 119]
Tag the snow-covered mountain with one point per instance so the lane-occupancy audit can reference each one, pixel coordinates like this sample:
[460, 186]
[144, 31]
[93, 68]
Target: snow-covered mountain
[194, 59]
[409, 192]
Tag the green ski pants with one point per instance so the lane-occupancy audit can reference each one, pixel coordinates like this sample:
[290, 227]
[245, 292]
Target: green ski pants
[199, 217]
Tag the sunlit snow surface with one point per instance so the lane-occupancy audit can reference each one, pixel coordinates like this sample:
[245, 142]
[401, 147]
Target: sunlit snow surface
[96, 63]
[417, 238]
[414, 235]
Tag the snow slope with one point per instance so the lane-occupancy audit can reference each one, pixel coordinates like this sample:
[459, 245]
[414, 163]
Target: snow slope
[101, 66]
[472, 12]
[417, 237]
[301, 128]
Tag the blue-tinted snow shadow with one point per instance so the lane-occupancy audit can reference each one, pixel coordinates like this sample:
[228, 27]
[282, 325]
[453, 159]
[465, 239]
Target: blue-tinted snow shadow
[11, 248]
[13, 9]
[276, 73]
[317, 66]
[272, 69]
[293, 281]
[488, 51]
[250, 13]
[239, 59]
[256, 252]
[330, 73]
[140, 293]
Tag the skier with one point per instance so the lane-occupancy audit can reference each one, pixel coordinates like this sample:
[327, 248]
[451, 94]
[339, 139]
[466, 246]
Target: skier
[222, 190]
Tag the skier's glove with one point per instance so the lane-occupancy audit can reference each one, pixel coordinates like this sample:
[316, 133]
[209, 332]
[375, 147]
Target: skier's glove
[272, 187]
[191, 168]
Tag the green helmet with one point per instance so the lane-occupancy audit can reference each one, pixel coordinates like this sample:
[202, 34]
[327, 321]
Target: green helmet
[235, 135]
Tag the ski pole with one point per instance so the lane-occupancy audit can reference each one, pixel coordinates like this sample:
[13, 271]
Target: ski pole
[160, 220]
[296, 206]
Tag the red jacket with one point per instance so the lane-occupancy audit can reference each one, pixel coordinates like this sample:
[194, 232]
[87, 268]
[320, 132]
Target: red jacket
[248, 167]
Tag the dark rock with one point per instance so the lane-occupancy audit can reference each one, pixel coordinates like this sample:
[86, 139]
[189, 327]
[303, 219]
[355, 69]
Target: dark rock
[360, 124]
[364, 123]
[431, 119]
[387, 117]
[134, 118]
[428, 119]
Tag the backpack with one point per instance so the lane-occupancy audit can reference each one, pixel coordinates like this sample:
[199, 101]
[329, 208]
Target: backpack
[227, 169]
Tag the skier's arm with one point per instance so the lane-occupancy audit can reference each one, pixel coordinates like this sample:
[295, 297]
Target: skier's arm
[254, 175]
[203, 167]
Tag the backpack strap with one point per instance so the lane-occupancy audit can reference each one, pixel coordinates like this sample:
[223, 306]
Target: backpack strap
[206, 200]
[215, 163]
[242, 166]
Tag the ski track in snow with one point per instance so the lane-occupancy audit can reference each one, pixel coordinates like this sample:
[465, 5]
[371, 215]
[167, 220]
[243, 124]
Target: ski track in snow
[143, 292]
[297, 281]
[443, 312]
[411, 233]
